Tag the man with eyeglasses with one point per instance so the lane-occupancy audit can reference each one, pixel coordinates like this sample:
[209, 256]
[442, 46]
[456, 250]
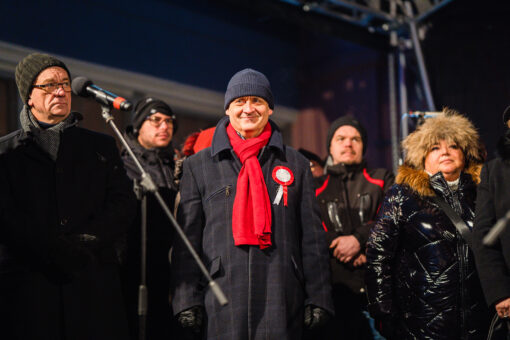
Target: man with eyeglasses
[65, 200]
[150, 137]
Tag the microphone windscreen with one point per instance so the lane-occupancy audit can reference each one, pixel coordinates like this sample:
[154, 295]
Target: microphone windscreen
[79, 86]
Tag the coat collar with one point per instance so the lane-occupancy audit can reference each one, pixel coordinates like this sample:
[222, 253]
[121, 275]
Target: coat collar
[420, 182]
[221, 142]
[345, 171]
[26, 134]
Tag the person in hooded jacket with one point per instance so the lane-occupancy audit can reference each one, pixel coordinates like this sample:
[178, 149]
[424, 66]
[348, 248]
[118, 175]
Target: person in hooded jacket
[150, 138]
[421, 277]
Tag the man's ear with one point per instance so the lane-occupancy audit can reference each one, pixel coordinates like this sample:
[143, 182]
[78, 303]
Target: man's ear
[270, 112]
[29, 102]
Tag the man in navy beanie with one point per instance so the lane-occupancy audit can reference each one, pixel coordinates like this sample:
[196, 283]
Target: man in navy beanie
[248, 207]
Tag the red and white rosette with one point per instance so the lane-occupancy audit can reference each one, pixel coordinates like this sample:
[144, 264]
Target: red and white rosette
[283, 176]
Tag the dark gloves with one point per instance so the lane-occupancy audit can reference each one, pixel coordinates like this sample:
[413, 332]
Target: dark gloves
[315, 317]
[384, 325]
[191, 319]
[69, 254]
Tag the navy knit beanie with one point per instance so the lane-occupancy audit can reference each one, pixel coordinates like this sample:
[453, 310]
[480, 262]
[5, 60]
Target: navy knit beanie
[347, 120]
[29, 68]
[249, 82]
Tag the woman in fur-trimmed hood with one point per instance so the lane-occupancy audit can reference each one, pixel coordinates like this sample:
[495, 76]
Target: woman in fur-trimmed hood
[421, 278]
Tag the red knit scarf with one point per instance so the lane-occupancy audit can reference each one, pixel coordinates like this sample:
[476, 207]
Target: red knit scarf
[251, 218]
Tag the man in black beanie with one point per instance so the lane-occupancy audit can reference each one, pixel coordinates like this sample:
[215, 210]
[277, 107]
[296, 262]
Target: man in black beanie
[150, 137]
[248, 208]
[65, 200]
[349, 196]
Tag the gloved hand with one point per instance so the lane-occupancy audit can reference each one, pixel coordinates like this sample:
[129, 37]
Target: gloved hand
[315, 317]
[191, 319]
[384, 324]
[69, 254]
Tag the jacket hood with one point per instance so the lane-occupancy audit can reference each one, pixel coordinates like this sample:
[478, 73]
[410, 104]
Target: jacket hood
[449, 126]
[419, 181]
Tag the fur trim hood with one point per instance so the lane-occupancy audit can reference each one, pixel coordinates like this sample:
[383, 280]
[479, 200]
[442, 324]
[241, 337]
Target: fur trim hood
[450, 126]
[419, 180]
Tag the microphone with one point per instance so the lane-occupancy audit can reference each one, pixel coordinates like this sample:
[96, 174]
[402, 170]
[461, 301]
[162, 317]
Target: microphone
[85, 88]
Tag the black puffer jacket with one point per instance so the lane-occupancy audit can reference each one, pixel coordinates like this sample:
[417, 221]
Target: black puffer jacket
[420, 272]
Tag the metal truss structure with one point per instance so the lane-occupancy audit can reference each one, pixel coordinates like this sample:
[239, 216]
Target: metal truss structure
[399, 22]
[383, 16]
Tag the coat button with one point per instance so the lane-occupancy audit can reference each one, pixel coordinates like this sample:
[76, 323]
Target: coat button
[60, 170]
[63, 221]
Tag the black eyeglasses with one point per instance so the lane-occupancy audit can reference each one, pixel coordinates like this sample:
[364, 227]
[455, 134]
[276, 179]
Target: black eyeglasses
[51, 87]
[157, 121]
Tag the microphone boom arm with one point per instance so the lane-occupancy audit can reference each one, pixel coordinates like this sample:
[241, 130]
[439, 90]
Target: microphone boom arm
[496, 230]
[148, 184]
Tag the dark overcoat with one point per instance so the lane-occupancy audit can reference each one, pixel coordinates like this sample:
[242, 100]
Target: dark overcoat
[267, 289]
[493, 203]
[56, 280]
[420, 271]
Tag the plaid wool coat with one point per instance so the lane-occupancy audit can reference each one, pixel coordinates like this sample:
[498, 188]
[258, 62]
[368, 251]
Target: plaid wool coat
[267, 289]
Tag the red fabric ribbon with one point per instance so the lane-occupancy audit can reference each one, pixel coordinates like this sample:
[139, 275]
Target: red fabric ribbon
[251, 217]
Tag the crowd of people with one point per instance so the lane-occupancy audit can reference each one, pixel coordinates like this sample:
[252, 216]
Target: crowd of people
[303, 248]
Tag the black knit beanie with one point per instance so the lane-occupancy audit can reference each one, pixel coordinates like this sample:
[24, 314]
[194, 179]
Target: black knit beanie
[347, 120]
[148, 106]
[249, 82]
[29, 68]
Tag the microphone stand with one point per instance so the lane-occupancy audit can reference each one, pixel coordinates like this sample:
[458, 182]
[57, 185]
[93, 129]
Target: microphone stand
[141, 195]
[148, 185]
[496, 230]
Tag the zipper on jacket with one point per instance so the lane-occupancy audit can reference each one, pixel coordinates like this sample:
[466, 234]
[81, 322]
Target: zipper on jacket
[226, 191]
[347, 206]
